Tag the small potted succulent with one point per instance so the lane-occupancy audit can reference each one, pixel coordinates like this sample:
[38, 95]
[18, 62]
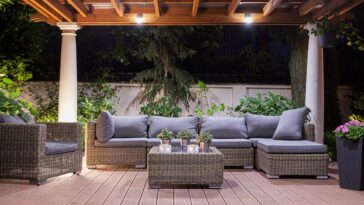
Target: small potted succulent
[165, 136]
[185, 137]
[204, 139]
[350, 154]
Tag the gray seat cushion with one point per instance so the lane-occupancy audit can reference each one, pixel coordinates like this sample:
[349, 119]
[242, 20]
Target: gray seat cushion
[291, 146]
[261, 126]
[59, 147]
[122, 142]
[104, 127]
[152, 142]
[4, 118]
[130, 126]
[255, 140]
[157, 124]
[232, 143]
[291, 123]
[224, 127]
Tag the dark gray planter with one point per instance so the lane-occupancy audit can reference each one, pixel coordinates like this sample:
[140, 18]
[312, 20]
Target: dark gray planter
[350, 158]
[327, 40]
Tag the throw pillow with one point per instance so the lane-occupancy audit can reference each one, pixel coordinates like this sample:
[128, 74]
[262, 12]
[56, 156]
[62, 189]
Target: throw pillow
[104, 127]
[157, 124]
[130, 126]
[224, 127]
[291, 123]
[260, 126]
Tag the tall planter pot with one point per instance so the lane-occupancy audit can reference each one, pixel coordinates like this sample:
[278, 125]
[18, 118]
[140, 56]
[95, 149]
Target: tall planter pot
[327, 40]
[350, 156]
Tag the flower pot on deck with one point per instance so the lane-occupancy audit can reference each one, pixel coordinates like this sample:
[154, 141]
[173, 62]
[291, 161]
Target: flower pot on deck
[350, 158]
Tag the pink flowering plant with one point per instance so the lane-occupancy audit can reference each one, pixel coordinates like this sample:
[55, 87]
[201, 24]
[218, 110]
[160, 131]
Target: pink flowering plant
[352, 130]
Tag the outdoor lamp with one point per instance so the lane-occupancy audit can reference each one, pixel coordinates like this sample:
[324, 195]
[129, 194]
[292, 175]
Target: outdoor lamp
[248, 18]
[139, 18]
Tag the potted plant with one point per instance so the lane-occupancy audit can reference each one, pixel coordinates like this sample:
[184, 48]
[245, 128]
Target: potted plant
[204, 139]
[165, 136]
[326, 30]
[350, 154]
[185, 137]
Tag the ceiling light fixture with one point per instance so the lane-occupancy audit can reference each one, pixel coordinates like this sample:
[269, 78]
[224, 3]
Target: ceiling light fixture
[139, 18]
[248, 18]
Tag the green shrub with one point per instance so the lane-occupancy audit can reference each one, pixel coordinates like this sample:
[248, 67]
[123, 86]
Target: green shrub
[205, 107]
[162, 107]
[263, 104]
[330, 141]
[13, 74]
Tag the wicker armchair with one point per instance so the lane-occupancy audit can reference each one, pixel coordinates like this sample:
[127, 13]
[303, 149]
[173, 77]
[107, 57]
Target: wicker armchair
[23, 151]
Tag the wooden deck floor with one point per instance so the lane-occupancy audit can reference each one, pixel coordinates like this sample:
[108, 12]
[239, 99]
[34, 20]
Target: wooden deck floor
[116, 185]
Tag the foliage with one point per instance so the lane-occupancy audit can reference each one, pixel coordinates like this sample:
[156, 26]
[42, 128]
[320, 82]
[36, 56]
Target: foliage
[341, 29]
[356, 118]
[184, 134]
[164, 47]
[352, 130]
[264, 104]
[165, 134]
[259, 60]
[204, 106]
[330, 141]
[4, 4]
[358, 102]
[204, 137]
[164, 106]
[13, 74]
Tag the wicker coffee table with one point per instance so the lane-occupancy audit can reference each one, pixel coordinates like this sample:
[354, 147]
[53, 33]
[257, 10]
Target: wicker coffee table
[180, 167]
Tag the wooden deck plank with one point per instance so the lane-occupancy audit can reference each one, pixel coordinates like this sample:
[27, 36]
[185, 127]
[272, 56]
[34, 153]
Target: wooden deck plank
[229, 195]
[149, 196]
[254, 189]
[165, 197]
[136, 189]
[181, 196]
[88, 191]
[214, 197]
[101, 195]
[276, 195]
[120, 190]
[109, 185]
[245, 196]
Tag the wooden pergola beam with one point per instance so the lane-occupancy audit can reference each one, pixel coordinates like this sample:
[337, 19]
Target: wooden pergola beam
[347, 7]
[79, 7]
[156, 8]
[309, 6]
[119, 7]
[187, 19]
[329, 8]
[270, 6]
[38, 4]
[233, 6]
[60, 9]
[195, 6]
[39, 10]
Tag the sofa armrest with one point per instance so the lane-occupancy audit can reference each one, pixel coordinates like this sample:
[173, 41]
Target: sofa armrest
[90, 134]
[22, 140]
[64, 131]
[309, 132]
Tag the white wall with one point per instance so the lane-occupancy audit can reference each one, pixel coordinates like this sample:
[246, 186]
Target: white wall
[229, 94]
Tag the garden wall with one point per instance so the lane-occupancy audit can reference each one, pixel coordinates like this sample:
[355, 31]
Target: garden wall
[130, 95]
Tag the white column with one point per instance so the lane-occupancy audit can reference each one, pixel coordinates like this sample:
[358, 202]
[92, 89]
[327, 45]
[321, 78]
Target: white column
[67, 107]
[315, 84]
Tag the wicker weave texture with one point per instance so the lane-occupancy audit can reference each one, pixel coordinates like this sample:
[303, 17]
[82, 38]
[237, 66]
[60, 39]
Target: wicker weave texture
[293, 164]
[22, 151]
[238, 156]
[128, 156]
[309, 132]
[185, 168]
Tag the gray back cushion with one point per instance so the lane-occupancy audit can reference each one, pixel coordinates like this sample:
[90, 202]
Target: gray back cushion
[5, 118]
[130, 126]
[157, 124]
[291, 124]
[104, 127]
[224, 127]
[261, 126]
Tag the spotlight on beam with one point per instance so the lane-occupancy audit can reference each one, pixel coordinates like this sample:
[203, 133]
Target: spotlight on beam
[139, 18]
[248, 19]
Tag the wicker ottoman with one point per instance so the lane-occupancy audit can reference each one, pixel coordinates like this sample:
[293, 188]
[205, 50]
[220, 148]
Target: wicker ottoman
[185, 168]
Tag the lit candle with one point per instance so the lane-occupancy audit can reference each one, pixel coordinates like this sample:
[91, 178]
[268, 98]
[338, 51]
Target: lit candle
[192, 148]
[165, 148]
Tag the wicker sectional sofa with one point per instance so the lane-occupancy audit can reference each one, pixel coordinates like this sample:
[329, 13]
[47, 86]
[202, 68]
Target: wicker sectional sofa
[298, 157]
